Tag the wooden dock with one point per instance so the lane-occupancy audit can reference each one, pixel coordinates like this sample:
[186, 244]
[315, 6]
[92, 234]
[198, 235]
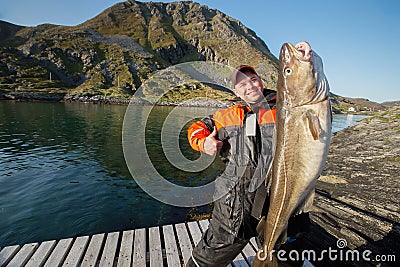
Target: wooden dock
[168, 245]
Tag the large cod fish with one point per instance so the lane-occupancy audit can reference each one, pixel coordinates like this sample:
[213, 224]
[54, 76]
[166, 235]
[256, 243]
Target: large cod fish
[303, 133]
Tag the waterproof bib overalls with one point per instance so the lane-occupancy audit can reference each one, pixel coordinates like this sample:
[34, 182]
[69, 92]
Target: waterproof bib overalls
[247, 151]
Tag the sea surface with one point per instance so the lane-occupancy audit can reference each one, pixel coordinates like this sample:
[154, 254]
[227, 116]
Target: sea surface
[63, 172]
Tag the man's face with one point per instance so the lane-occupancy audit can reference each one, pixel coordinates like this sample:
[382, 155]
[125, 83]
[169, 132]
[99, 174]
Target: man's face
[249, 87]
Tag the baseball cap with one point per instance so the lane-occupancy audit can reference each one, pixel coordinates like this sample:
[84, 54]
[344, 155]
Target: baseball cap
[242, 69]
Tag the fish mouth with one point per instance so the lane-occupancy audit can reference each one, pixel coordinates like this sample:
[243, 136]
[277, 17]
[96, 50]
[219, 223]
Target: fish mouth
[302, 50]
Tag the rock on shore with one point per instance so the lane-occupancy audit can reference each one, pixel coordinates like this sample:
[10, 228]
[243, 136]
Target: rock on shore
[358, 193]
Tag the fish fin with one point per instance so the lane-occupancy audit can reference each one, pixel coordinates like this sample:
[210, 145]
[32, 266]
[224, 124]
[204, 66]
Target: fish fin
[314, 124]
[307, 204]
[282, 238]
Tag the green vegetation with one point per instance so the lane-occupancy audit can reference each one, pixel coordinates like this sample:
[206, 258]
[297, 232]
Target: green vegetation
[171, 33]
[97, 67]
[378, 117]
[387, 141]
[395, 159]
[160, 34]
[12, 42]
[389, 116]
[100, 51]
[188, 92]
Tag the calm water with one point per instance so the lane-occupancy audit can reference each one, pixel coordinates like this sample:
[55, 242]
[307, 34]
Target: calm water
[63, 173]
[342, 121]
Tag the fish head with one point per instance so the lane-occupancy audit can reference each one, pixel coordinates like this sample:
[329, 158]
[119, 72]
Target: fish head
[301, 79]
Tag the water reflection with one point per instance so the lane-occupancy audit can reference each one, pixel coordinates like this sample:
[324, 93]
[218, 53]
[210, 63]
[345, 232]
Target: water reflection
[342, 121]
[62, 174]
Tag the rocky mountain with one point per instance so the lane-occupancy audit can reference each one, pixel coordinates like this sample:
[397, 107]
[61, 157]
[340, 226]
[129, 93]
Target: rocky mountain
[114, 52]
[342, 104]
[390, 104]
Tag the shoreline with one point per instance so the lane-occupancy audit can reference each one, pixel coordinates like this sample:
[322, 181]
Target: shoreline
[99, 99]
[356, 197]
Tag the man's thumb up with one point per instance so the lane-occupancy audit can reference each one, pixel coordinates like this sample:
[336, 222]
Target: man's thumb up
[211, 144]
[214, 132]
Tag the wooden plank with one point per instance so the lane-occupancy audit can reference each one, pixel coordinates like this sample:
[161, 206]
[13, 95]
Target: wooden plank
[22, 257]
[110, 250]
[76, 253]
[155, 250]
[125, 252]
[139, 248]
[7, 253]
[307, 263]
[171, 248]
[240, 261]
[59, 253]
[254, 243]
[184, 241]
[41, 254]
[249, 253]
[195, 232]
[204, 225]
[93, 250]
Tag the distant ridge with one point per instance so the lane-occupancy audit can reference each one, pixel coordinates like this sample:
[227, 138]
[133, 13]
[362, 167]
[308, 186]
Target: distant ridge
[112, 54]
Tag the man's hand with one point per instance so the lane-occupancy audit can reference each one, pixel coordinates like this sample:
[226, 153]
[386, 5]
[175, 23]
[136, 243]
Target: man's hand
[211, 144]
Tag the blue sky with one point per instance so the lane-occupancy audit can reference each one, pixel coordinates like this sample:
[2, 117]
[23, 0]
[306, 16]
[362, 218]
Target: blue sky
[357, 39]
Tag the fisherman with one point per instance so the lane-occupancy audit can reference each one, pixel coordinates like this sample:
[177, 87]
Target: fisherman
[242, 135]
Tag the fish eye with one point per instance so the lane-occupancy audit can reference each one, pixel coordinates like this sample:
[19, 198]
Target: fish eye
[288, 71]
